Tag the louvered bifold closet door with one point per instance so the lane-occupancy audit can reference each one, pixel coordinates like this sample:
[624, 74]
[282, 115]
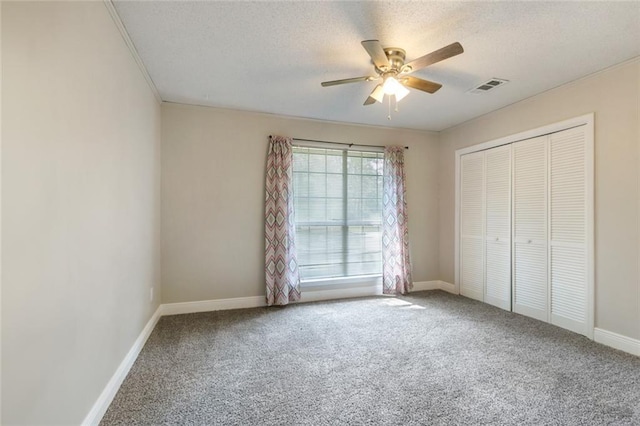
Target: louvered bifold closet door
[530, 280]
[568, 229]
[472, 225]
[497, 290]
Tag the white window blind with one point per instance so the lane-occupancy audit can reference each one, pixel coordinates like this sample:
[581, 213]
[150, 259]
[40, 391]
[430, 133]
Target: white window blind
[338, 212]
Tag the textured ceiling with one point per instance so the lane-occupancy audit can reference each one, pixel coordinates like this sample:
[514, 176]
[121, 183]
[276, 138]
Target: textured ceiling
[271, 56]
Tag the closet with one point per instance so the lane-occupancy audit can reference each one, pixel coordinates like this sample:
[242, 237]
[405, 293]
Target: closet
[525, 230]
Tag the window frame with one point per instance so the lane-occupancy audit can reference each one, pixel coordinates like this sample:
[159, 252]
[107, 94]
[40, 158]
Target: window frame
[353, 280]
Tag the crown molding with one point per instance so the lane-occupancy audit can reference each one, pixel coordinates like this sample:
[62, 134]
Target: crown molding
[132, 48]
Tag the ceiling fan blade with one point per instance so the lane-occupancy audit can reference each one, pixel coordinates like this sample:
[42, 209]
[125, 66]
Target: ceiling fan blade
[375, 50]
[345, 81]
[376, 95]
[369, 101]
[420, 84]
[439, 55]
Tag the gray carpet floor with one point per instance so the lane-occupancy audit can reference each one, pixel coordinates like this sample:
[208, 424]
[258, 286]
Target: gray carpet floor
[428, 358]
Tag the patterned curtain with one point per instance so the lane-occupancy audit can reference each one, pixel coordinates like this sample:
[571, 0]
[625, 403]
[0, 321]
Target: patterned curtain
[396, 265]
[281, 265]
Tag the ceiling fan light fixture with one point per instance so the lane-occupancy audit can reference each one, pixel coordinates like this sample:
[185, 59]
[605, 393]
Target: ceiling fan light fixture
[392, 86]
[401, 93]
[378, 93]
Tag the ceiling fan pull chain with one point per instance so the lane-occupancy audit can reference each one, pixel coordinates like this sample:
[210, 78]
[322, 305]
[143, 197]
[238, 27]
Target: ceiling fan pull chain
[389, 116]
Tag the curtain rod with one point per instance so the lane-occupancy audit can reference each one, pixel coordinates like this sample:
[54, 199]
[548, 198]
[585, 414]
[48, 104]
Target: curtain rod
[339, 143]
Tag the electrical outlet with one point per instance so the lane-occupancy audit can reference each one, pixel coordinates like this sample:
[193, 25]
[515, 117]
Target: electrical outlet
[151, 294]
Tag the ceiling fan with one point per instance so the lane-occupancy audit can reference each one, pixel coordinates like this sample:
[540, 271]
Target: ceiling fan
[390, 67]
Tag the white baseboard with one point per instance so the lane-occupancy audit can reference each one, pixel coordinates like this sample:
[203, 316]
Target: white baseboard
[434, 285]
[110, 390]
[307, 296]
[259, 301]
[426, 285]
[212, 305]
[617, 341]
[448, 287]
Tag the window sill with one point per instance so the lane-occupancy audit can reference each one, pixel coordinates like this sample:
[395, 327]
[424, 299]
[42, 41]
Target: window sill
[343, 282]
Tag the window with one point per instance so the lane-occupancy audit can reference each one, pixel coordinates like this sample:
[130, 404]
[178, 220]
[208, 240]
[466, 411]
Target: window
[338, 212]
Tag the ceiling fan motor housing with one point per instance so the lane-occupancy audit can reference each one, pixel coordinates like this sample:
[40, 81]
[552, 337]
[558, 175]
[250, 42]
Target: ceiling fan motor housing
[396, 58]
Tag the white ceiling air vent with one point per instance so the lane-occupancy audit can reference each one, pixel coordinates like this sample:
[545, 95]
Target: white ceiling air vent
[488, 85]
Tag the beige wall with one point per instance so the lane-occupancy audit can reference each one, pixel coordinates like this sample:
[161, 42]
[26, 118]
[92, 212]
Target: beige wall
[80, 207]
[213, 167]
[614, 96]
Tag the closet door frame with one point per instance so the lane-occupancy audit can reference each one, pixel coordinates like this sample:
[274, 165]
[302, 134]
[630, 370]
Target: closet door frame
[586, 120]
